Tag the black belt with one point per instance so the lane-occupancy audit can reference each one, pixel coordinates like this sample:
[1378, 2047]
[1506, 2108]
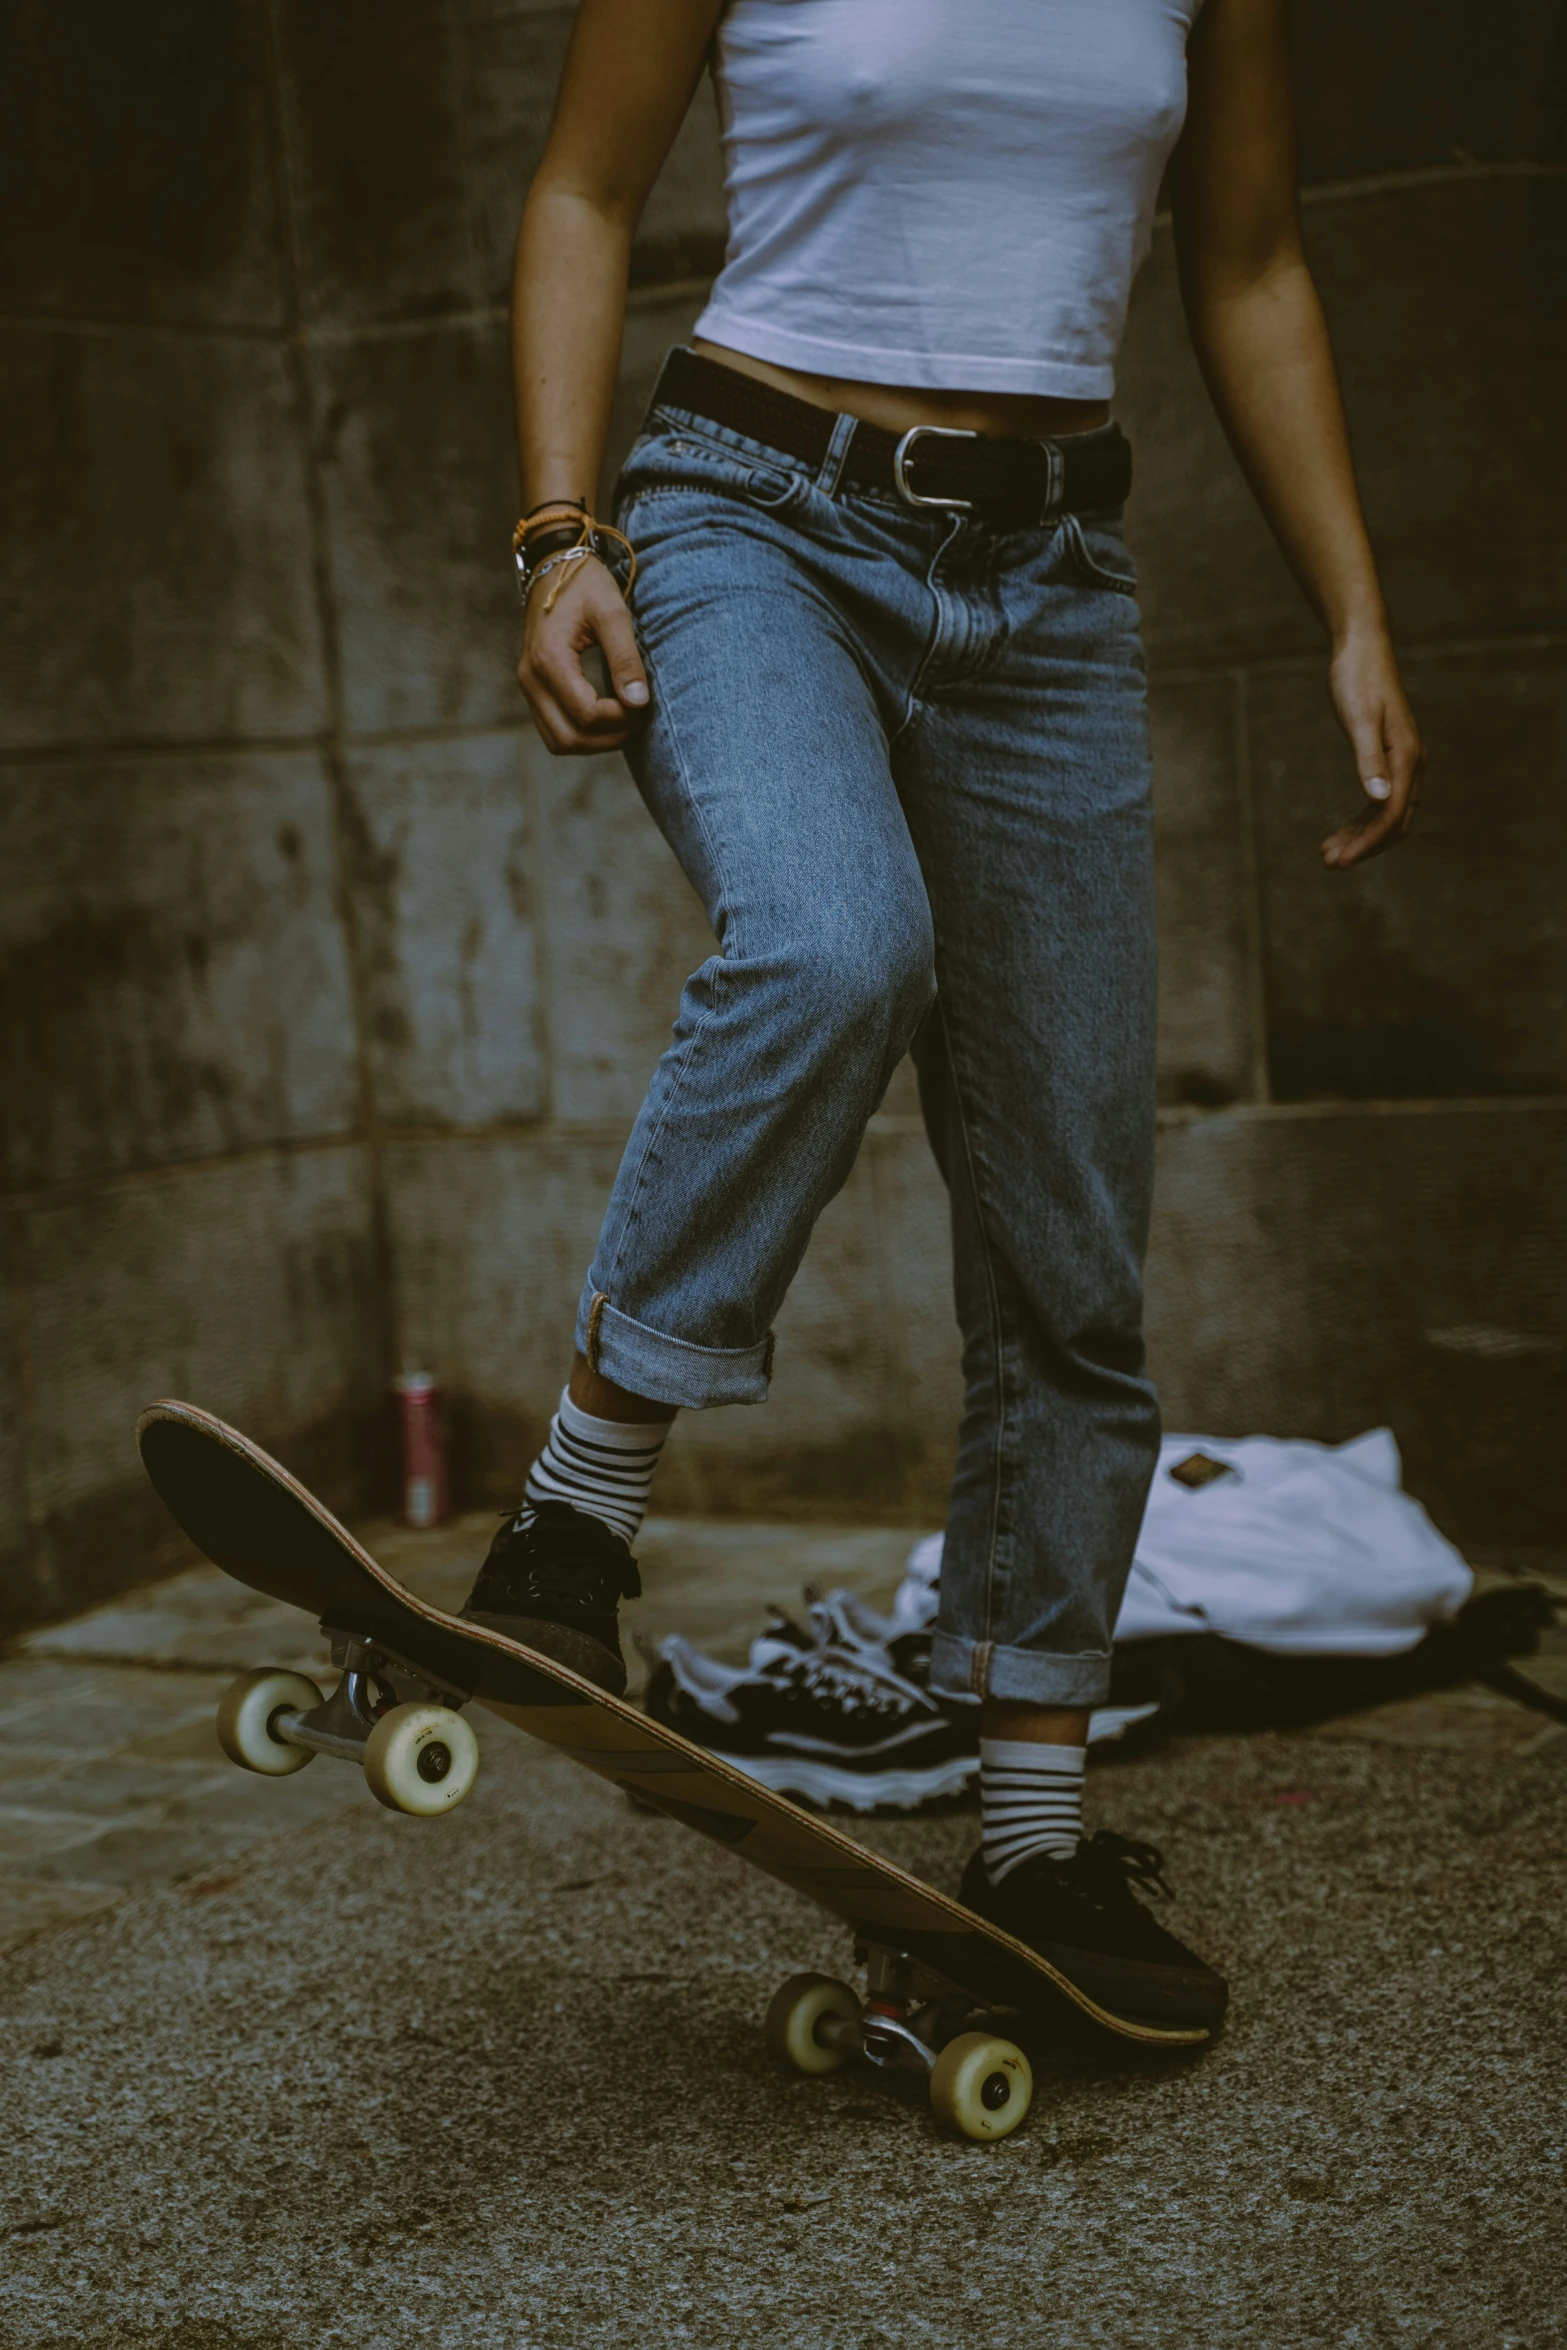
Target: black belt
[1020, 483]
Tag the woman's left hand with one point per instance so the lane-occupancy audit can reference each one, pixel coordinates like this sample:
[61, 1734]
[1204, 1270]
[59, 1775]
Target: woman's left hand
[1368, 700]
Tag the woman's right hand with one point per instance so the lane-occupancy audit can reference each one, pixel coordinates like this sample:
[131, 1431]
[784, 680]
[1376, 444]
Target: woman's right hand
[572, 718]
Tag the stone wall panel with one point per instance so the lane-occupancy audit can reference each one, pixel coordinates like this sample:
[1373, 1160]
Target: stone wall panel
[1446, 305]
[902, 1097]
[136, 176]
[155, 549]
[1315, 1275]
[490, 1237]
[173, 983]
[420, 481]
[1441, 968]
[1202, 882]
[373, 113]
[410, 158]
[249, 1288]
[926, 1374]
[446, 887]
[421, 489]
[27, 1590]
[1417, 84]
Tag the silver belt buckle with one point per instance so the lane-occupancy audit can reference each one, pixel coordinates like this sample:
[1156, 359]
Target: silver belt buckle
[900, 466]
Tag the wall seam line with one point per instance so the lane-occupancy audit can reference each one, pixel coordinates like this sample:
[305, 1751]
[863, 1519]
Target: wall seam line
[38, 1550]
[1253, 921]
[651, 295]
[130, 750]
[333, 751]
[610, 1133]
[1417, 175]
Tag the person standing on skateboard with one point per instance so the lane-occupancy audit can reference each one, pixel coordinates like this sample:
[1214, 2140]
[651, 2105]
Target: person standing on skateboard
[872, 648]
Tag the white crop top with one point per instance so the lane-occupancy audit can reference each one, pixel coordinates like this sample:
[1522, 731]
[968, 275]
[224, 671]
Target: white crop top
[949, 193]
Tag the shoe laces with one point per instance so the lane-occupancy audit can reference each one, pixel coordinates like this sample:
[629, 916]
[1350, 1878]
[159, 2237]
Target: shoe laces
[1114, 1864]
[842, 1620]
[781, 1640]
[848, 1680]
[565, 1555]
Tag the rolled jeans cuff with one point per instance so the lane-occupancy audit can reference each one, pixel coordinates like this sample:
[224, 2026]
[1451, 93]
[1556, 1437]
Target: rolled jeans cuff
[668, 1370]
[1017, 1676]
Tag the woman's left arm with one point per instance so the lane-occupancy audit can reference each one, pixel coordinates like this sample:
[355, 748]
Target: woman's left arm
[1262, 343]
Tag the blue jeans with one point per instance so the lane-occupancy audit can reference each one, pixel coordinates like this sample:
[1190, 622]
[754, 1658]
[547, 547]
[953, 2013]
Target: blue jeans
[902, 756]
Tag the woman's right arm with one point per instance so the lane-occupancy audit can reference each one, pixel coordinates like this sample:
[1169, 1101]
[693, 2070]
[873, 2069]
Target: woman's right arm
[630, 73]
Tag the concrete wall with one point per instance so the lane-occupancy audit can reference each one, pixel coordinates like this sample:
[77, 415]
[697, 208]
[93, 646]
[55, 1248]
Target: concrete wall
[328, 997]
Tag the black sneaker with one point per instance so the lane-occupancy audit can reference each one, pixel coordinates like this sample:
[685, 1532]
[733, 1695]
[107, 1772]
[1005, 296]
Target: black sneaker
[555, 1585]
[1083, 1915]
[831, 1725]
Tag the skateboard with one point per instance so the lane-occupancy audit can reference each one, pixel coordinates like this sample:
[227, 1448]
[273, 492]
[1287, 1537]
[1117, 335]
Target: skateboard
[407, 1670]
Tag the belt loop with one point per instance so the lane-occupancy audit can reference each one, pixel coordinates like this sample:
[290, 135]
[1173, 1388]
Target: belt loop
[1056, 488]
[666, 374]
[830, 471]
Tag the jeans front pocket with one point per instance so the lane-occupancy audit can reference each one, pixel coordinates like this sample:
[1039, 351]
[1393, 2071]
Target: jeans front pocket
[1098, 553]
[673, 456]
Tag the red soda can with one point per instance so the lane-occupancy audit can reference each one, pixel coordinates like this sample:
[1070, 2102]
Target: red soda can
[425, 1501]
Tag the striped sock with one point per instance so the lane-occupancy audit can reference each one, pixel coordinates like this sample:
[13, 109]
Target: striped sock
[1031, 1800]
[602, 1466]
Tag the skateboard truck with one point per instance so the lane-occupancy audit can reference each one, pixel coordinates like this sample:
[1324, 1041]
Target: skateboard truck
[910, 2021]
[908, 2012]
[394, 1718]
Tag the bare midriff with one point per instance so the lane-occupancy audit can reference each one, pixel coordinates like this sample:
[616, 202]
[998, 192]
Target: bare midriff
[1008, 415]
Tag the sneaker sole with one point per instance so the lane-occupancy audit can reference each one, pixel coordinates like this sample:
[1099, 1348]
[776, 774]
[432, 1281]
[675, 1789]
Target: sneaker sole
[1138, 1991]
[829, 1783]
[578, 1651]
[1142, 1994]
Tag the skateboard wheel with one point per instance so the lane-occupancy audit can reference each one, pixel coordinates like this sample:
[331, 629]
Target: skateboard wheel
[421, 1759]
[981, 2087]
[795, 2010]
[245, 1714]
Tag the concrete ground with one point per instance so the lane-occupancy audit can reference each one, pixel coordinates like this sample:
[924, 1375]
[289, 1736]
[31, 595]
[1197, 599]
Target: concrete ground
[286, 2071]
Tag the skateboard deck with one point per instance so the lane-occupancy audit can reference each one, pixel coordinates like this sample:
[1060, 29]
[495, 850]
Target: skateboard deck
[257, 1523]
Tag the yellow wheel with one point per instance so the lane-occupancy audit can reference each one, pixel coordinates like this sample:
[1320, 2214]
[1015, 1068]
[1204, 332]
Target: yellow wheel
[981, 2087]
[245, 1716]
[421, 1759]
[795, 2010]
